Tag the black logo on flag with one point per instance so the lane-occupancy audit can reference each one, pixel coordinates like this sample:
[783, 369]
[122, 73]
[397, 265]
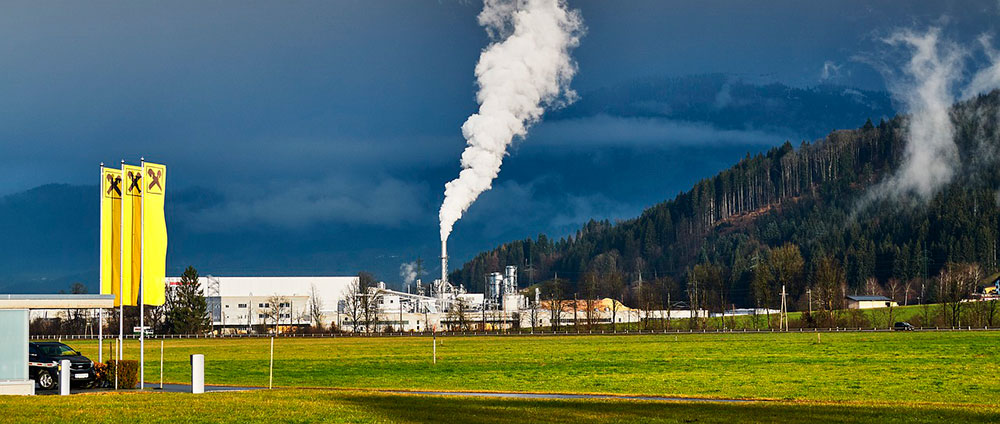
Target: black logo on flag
[114, 186]
[155, 176]
[135, 186]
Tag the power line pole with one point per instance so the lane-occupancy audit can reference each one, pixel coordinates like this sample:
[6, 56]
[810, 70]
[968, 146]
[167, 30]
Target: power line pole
[638, 302]
[668, 308]
[783, 320]
[810, 292]
[576, 307]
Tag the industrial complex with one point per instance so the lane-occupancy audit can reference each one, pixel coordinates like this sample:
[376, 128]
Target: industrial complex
[240, 304]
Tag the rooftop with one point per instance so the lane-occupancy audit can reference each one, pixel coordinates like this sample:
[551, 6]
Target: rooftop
[48, 301]
[869, 298]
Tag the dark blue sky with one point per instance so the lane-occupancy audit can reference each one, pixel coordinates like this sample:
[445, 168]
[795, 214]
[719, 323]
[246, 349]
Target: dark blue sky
[336, 124]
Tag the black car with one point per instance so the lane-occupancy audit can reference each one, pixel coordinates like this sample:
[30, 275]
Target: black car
[903, 326]
[43, 364]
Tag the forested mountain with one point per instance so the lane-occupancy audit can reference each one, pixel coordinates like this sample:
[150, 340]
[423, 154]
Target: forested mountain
[800, 216]
[727, 102]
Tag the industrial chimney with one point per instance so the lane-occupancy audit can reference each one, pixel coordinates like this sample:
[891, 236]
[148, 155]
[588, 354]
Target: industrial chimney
[444, 262]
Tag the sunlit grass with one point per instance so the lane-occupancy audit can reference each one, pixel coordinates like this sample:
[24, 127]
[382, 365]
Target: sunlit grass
[893, 367]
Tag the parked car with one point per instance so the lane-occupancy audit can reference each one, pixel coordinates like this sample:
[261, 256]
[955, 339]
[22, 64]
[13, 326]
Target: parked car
[43, 365]
[903, 326]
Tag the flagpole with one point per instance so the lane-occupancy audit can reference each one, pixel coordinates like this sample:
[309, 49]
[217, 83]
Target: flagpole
[142, 295]
[100, 278]
[121, 282]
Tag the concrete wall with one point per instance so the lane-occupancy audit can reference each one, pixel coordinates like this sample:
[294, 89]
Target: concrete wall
[14, 353]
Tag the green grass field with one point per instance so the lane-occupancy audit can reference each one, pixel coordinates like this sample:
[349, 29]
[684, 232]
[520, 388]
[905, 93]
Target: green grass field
[287, 405]
[918, 367]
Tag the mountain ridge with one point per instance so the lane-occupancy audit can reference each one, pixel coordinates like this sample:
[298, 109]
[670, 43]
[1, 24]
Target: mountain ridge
[806, 196]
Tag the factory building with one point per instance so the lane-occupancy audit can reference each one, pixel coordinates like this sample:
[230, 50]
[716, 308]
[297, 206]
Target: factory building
[241, 304]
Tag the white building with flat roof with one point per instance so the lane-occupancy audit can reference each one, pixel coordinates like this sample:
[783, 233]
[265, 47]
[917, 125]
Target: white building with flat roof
[240, 303]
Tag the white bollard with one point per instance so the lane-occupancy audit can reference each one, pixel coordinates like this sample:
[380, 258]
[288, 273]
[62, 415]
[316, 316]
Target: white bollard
[64, 370]
[197, 373]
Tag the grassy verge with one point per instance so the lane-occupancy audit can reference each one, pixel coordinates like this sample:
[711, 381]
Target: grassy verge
[884, 318]
[356, 407]
[917, 367]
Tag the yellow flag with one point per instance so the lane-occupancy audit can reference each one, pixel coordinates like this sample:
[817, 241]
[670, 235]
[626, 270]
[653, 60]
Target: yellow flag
[154, 234]
[111, 227]
[131, 231]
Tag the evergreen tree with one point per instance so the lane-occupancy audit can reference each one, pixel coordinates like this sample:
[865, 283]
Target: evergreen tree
[187, 308]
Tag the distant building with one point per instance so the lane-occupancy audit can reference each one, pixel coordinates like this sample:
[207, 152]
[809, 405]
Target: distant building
[745, 312]
[990, 292]
[869, 302]
[238, 304]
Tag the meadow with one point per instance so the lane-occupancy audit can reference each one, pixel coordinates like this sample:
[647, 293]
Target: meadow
[325, 405]
[944, 368]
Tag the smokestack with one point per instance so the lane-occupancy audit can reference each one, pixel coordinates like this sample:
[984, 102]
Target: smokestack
[444, 261]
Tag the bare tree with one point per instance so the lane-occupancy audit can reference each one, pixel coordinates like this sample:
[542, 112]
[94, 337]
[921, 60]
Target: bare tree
[786, 265]
[991, 312]
[614, 287]
[828, 277]
[458, 314]
[590, 291]
[606, 267]
[872, 287]
[155, 316]
[892, 288]
[275, 309]
[370, 308]
[554, 295]
[315, 308]
[354, 305]
[955, 283]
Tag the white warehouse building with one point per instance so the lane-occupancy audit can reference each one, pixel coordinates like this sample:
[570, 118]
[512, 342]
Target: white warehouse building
[238, 304]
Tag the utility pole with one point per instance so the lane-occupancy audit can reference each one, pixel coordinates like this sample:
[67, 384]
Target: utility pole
[638, 302]
[622, 301]
[694, 306]
[668, 308]
[576, 307]
[810, 292]
[783, 319]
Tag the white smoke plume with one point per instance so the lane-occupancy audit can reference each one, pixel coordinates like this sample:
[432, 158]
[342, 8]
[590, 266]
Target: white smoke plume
[988, 78]
[526, 67]
[926, 92]
[408, 272]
